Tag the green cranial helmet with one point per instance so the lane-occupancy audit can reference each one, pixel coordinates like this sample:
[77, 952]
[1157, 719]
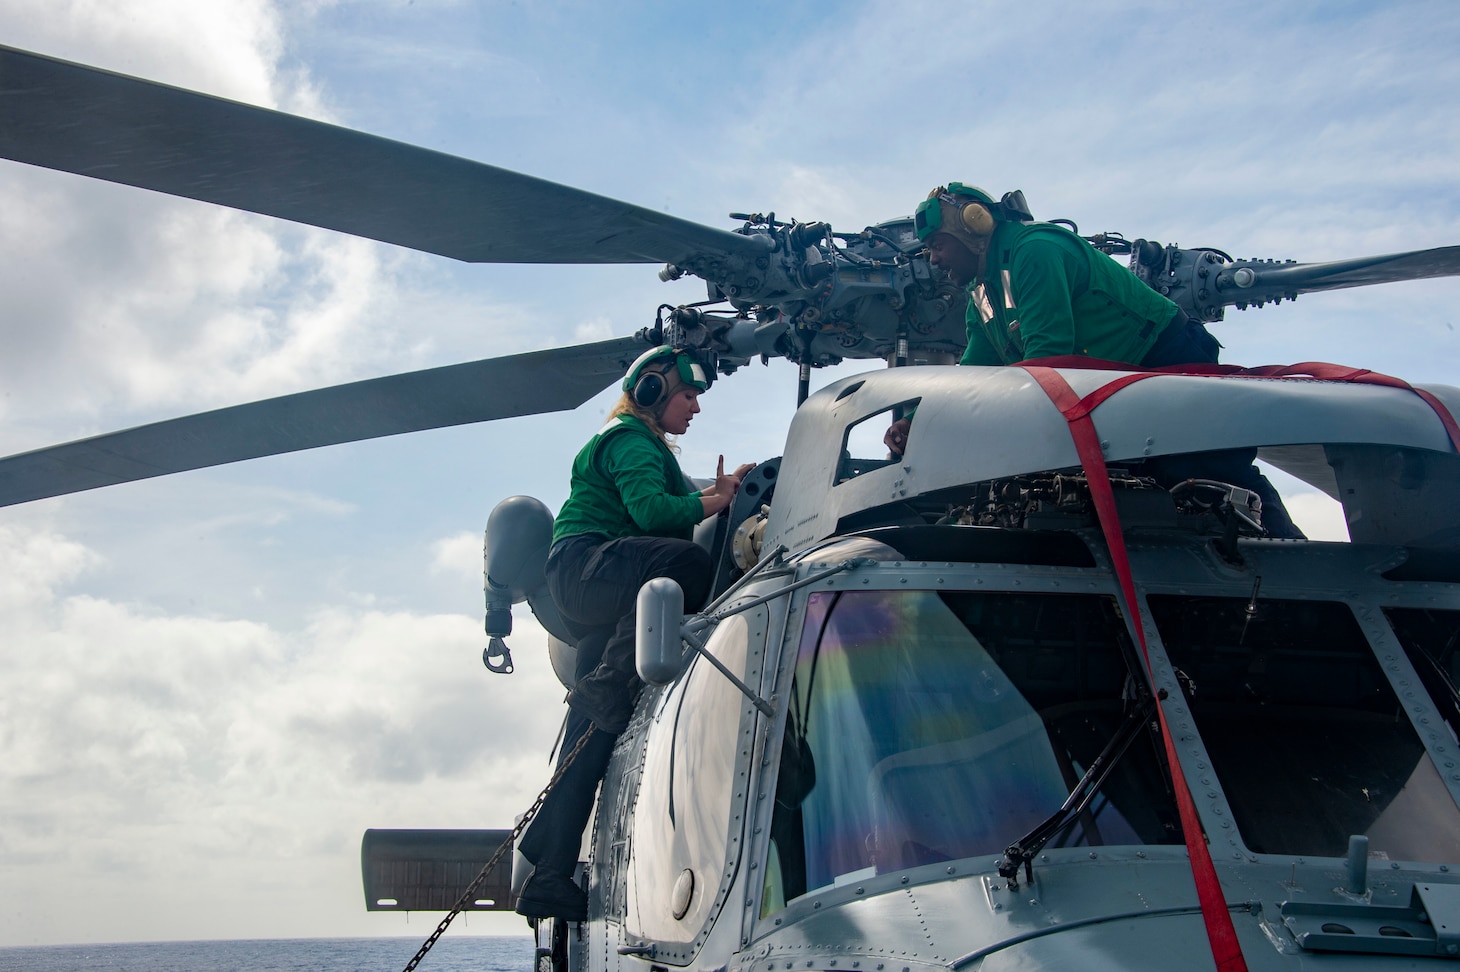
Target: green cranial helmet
[659, 372]
[967, 213]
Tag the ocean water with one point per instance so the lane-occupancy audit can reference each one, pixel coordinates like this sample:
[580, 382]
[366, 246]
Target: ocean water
[463, 954]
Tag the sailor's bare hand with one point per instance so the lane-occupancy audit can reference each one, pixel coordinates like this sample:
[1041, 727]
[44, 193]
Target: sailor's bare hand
[729, 483]
[718, 497]
[896, 437]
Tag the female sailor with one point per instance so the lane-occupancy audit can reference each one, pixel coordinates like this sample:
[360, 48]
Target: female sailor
[628, 518]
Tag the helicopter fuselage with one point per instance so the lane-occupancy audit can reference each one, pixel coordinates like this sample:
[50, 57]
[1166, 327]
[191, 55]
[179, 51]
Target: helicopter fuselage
[958, 660]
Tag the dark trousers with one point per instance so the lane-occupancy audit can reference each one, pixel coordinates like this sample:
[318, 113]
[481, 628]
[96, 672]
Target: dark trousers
[1186, 341]
[595, 585]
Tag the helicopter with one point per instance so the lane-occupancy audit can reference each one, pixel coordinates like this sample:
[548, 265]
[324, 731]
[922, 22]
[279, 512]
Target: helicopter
[793, 306]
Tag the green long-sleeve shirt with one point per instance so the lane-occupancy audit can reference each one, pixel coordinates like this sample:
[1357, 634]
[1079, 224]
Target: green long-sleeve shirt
[626, 483]
[1045, 292]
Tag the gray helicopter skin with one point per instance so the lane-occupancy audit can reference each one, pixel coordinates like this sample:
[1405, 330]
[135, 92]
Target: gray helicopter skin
[940, 753]
[1306, 730]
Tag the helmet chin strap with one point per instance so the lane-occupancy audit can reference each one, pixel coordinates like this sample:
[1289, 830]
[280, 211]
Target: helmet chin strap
[980, 259]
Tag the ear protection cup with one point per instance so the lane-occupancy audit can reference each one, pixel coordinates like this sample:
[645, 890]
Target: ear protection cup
[962, 211]
[659, 372]
[977, 219]
[649, 389]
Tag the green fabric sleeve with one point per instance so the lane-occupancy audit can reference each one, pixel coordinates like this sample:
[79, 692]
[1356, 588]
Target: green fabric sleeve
[637, 468]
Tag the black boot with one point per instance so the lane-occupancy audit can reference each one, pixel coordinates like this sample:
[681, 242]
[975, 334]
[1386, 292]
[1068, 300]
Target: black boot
[552, 894]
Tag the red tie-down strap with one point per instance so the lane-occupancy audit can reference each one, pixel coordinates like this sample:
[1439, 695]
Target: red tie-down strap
[1303, 371]
[1226, 950]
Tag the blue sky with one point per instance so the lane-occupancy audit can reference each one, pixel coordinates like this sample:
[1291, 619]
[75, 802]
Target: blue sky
[210, 685]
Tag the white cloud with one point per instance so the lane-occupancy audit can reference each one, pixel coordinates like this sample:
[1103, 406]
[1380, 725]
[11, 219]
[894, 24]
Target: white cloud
[595, 329]
[124, 303]
[460, 554]
[226, 48]
[139, 747]
[35, 563]
[1318, 515]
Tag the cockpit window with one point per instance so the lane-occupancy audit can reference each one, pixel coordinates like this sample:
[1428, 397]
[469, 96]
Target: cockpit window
[863, 448]
[1431, 639]
[1304, 731]
[926, 727]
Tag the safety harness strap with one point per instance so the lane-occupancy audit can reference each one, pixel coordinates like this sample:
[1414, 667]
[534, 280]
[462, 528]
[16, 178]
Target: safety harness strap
[1226, 950]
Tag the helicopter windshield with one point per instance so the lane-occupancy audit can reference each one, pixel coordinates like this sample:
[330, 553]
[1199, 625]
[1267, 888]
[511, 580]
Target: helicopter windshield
[1308, 738]
[1431, 639]
[926, 727]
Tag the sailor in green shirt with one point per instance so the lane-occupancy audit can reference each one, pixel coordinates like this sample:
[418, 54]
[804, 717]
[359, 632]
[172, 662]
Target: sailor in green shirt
[627, 483]
[628, 518]
[1037, 290]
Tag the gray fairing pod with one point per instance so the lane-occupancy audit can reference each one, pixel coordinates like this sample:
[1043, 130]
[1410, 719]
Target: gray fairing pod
[519, 533]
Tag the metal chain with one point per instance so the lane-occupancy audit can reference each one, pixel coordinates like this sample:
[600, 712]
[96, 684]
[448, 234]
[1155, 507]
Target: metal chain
[470, 894]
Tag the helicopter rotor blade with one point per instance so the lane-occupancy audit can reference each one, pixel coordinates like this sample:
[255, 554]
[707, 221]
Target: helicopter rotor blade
[109, 126]
[1253, 281]
[479, 391]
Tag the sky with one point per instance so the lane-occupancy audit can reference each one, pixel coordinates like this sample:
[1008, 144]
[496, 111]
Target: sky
[212, 684]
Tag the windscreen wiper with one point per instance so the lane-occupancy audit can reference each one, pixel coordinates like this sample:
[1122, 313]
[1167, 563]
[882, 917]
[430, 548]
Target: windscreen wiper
[1023, 850]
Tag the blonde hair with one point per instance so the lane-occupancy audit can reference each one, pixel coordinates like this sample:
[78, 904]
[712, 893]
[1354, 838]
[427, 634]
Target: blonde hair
[627, 406]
